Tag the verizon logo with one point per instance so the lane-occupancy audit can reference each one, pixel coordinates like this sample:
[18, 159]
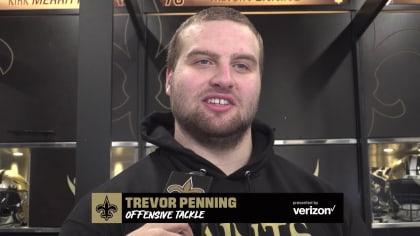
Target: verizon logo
[313, 210]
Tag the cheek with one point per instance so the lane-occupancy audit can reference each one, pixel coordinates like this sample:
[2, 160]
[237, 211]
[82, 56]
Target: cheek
[187, 83]
[181, 88]
[252, 90]
[258, 91]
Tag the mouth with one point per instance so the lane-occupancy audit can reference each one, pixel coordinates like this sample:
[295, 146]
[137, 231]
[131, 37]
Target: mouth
[218, 101]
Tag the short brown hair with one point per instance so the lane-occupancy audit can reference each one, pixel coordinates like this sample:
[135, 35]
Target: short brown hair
[211, 14]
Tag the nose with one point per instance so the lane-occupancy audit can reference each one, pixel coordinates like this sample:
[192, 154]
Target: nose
[223, 78]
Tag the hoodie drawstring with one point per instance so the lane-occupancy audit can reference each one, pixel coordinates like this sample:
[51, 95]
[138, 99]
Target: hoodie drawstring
[248, 180]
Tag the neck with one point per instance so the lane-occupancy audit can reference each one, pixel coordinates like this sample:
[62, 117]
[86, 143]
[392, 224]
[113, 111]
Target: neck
[228, 159]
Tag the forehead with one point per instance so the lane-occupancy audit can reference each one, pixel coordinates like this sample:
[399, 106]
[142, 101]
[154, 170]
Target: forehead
[214, 35]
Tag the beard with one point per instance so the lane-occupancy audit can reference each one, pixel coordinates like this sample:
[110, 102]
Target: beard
[201, 126]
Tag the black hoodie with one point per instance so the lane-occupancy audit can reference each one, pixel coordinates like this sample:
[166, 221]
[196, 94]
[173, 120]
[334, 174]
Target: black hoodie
[265, 172]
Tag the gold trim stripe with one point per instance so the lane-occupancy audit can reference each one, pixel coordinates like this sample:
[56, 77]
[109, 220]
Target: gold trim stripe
[47, 4]
[396, 2]
[254, 13]
[38, 4]
[208, 3]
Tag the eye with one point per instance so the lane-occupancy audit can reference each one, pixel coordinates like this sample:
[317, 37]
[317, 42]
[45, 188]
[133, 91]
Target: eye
[241, 67]
[203, 62]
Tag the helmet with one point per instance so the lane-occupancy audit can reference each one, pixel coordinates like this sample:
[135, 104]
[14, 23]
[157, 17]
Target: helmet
[404, 189]
[379, 191]
[13, 199]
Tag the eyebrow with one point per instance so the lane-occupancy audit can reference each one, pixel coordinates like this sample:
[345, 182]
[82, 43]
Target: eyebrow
[203, 53]
[245, 56]
[235, 56]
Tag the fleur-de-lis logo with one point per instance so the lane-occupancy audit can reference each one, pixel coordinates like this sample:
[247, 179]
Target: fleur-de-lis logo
[106, 209]
[187, 187]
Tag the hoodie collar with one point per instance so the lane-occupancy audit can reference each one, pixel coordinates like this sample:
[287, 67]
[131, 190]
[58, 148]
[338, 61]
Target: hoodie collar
[158, 129]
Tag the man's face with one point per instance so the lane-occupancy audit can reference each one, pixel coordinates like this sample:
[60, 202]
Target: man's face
[215, 85]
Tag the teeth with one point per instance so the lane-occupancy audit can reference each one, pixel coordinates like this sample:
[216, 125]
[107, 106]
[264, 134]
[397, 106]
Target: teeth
[218, 101]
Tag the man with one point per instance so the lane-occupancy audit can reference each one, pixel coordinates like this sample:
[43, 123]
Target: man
[213, 78]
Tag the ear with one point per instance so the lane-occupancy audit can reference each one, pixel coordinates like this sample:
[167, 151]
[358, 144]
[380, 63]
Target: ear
[169, 74]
